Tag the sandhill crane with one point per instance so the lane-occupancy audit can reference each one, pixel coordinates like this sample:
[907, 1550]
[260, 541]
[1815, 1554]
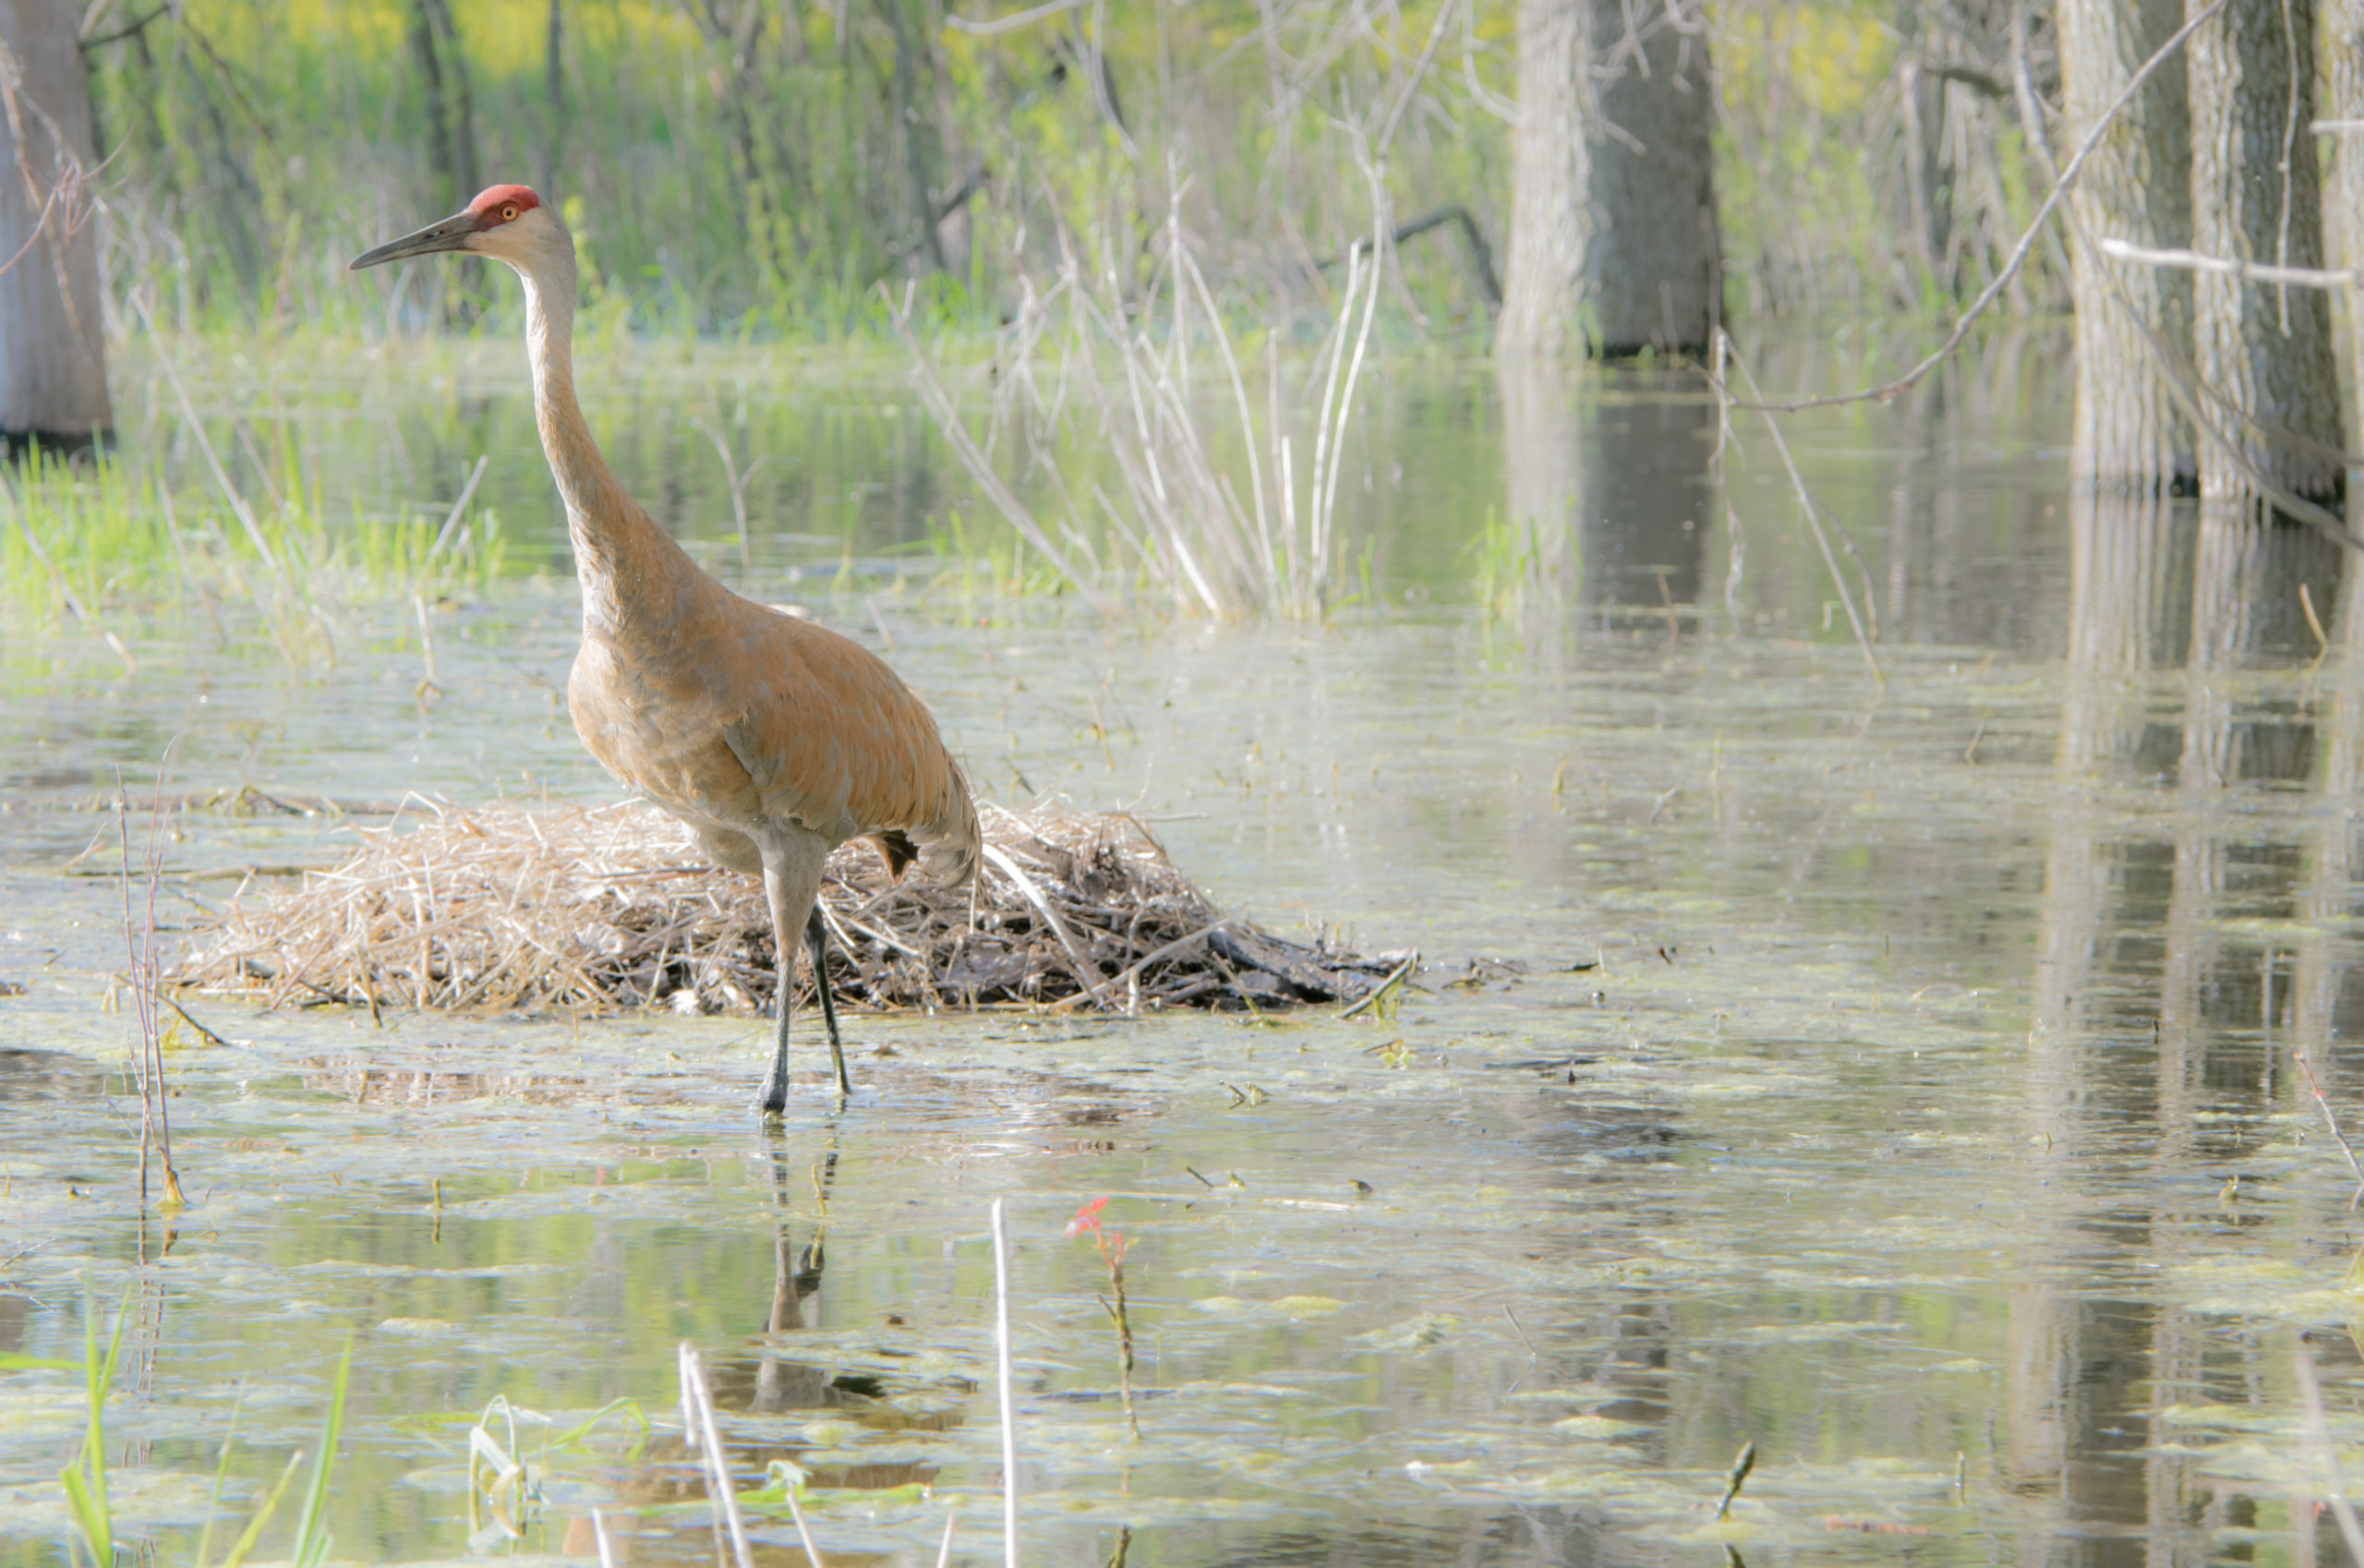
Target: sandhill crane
[774, 739]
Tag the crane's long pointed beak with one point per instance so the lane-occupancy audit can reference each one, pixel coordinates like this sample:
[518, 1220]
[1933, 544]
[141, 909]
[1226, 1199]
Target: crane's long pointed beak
[448, 234]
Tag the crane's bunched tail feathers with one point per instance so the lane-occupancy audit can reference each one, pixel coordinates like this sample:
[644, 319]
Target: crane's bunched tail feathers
[952, 844]
[947, 846]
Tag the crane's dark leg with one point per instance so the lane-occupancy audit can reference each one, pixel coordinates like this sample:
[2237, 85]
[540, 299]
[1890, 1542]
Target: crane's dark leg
[792, 859]
[817, 938]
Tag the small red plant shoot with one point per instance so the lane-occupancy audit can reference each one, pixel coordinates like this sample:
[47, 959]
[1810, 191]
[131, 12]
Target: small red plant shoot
[1111, 1245]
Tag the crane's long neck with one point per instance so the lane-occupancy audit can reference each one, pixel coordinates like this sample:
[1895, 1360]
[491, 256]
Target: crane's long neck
[620, 555]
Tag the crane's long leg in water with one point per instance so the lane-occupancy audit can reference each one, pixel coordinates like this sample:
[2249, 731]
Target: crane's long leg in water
[792, 857]
[817, 938]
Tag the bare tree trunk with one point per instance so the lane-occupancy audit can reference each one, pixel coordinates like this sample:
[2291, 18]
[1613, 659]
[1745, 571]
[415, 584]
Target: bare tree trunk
[1550, 185]
[917, 144]
[1612, 197]
[52, 360]
[1927, 199]
[2136, 187]
[449, 121]
[440, 151]
[553, 102]
[464, 117]
[1657, 260]
[2265, 350]
[2343, 85]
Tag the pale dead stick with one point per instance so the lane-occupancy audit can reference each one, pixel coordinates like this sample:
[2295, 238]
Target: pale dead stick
[2307, 1069]
[1086, 971]
[1008, 1412]
[1134, 970]
[443, 536]
[2330, 1489]
[697, 1418]
[1727, 348]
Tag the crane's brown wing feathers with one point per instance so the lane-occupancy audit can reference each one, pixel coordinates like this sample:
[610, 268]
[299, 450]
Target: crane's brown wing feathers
[838, 742]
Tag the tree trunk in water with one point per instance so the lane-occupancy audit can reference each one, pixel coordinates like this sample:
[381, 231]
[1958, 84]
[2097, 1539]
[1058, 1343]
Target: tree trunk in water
[53, 358]
[464, 117]
[1612, 197]
[1657, 270]
[553, 102]
[2265, 350]
[2343, 83]
[449, 122]
[2136, 187]
[1550, 186]
[919, 167]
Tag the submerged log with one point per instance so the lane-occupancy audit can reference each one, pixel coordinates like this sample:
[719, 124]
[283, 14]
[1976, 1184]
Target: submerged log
[508, 907]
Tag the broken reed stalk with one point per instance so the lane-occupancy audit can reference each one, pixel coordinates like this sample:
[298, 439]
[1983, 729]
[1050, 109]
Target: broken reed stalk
[146, 973]
[513, 909]
[1003, 1382]
[2330, 1486]
[2307, 1069]
[1727, 350]
[699, 1427]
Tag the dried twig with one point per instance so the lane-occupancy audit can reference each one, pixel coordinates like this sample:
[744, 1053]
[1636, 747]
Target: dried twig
[2330, 1486]
[2307, 1069]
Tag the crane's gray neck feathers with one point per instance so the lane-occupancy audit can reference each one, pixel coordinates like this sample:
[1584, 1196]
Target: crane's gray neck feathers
[612, 536]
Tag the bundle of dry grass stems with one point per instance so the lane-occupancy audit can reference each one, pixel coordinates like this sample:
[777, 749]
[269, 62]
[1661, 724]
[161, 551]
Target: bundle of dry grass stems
[512, 908]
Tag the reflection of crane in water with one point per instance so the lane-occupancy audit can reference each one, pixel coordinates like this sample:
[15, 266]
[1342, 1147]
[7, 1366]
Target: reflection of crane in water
[774, 1381]
[774, 739]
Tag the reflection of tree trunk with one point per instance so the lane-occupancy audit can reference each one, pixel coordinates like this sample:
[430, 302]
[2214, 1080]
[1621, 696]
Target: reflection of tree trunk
[1641, 496]
[2329, 896]
[2136, 187]
[2265, 350]
[2245, 601]
[1612, 201]
[2121, 585]
[52, 360]
[1543, 462]
[2245, 608]
[2124, 620]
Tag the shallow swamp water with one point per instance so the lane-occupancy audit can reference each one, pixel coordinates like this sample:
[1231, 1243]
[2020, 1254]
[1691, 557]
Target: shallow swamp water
[1914, 1079]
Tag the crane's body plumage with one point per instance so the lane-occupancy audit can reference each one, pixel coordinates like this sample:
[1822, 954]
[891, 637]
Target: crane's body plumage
[774, 739]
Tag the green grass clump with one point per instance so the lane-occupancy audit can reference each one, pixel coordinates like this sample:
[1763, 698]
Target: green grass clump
[85, 539]
[84, 1480]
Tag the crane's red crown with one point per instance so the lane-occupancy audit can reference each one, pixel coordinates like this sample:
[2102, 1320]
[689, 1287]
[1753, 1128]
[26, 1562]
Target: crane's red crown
[502, 204]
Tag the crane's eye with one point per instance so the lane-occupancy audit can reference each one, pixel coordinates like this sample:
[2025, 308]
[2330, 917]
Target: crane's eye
[509, 212]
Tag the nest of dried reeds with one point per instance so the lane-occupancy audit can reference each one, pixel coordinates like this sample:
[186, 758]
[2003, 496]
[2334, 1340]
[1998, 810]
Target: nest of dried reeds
[509, 908]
